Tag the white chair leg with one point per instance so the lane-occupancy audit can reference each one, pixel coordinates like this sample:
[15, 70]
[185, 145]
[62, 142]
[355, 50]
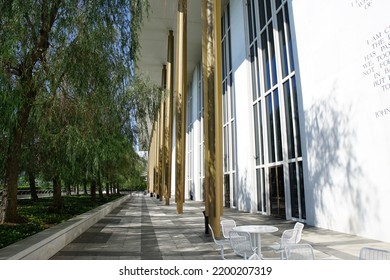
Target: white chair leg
[222, 253]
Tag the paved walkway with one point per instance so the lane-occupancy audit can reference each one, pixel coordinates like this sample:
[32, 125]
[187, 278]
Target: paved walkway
[144, 228]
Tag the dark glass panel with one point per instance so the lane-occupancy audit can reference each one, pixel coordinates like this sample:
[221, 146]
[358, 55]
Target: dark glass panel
[228, 14]
[263, 187]
[294, 190]
[278, 130]
[289, 42]
[223, 25]
[233, 184]
[272, 53]
[254, 19]
[266, 63]
[249, 11]
[296, 117]
[262, 14]
[259, 191]
[233, 146]
[261, 134]
[254, 71]
[229, 57]
[269, 13]
[270, 129]
[227, 189]
[223, 59]
[276, 184]
[289, 120]
[257, 134]
[302, 191]
[278, 3]
[282, 44]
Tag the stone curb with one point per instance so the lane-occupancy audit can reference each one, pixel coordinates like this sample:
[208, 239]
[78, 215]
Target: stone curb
[45, 244]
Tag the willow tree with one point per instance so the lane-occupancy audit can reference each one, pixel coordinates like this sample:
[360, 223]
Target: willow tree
[73, 47]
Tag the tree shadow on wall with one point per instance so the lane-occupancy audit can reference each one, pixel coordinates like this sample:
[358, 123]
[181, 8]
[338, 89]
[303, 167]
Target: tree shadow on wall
[333, 168]
[243, 195]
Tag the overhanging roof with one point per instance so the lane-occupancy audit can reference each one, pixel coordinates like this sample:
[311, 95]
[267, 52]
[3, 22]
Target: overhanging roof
[154, 37]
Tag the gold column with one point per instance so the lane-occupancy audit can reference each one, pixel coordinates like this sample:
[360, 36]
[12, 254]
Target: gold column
[150, 163]
[157, 156]
[152, 159]
[161, 185]
[169, 116]
[181, 98]
[212, 82]
[218, 113]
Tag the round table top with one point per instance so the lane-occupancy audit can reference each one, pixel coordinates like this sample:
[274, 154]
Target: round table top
[256, 228]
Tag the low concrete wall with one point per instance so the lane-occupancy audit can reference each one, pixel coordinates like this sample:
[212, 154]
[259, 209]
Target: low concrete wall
[47, 243]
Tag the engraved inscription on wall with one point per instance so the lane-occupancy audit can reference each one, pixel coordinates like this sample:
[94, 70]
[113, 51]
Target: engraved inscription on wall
[364, 4]
[376, 62]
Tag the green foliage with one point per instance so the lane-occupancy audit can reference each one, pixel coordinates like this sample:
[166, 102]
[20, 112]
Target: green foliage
[11, 233]
[68, 65]
[39, 216]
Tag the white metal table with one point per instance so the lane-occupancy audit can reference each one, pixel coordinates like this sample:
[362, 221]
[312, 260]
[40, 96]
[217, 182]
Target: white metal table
[255, 232]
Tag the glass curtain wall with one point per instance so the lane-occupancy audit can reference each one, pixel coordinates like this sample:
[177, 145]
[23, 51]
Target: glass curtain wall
[228, 118]
[190, 187]
[278, 154]
[200, 113]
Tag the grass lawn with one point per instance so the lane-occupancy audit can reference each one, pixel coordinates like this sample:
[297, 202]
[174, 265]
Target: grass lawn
[39, 215]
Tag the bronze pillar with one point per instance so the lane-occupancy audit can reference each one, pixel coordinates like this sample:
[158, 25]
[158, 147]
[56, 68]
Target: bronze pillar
[212, 82]
[181, 98]
[169, 116]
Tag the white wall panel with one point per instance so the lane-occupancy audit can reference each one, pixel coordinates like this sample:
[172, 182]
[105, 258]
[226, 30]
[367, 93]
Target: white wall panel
[245, 180]
[343, 52]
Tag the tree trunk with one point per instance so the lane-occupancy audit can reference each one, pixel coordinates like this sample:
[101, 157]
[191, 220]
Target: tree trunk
[107, 189]
[33, 187]
[57, 197]
[9, 197]
[93, 190]
[100, 187]
[8, 207]
[112, 188]
[85, 186]
[8, 203]
[67, 187]
[118, 192]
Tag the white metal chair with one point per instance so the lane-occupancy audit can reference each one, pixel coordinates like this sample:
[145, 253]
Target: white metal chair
[226, 226]
[220, 242]
[289, 236]
[299, 252]
[241, 244]
[367, 253]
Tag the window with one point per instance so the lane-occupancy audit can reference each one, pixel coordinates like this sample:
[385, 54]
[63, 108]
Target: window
[229, 125]
[278, 154]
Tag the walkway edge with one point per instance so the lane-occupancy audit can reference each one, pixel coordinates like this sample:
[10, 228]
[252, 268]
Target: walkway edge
[45, 244]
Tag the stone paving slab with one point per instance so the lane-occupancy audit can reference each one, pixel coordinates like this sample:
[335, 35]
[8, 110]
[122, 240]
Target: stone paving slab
[144, 228]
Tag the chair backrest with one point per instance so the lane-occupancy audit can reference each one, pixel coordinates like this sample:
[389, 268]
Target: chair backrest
[241, 243]
[299, 227]
[289, 236]
[292, 236]
[227, 225]
[299, 252]
[367, 253]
